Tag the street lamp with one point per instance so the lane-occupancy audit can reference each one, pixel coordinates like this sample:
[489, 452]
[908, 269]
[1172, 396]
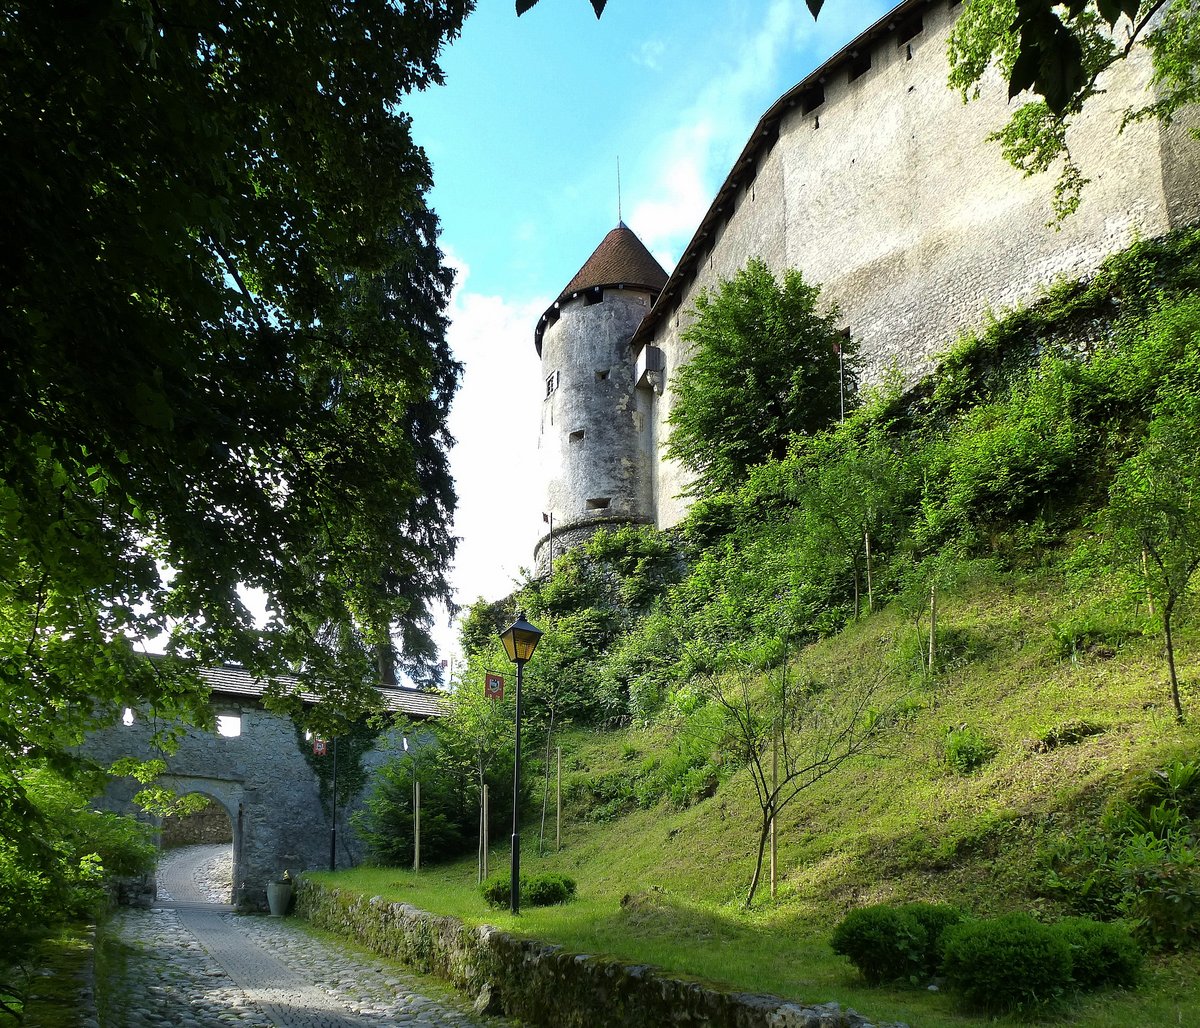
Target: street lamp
[520, 640]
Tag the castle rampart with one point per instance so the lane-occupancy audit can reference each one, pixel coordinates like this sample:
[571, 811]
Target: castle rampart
[877, 182]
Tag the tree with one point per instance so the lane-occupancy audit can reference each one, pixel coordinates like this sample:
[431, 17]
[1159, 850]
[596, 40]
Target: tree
[763, 366]
[1153, 522]
[1060, 51]
[798, 733]
[222, 356]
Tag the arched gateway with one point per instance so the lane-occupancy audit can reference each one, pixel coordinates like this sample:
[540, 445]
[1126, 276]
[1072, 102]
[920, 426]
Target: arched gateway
[256, 767]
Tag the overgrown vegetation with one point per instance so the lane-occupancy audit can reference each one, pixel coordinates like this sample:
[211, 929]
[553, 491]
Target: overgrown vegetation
[949, 570]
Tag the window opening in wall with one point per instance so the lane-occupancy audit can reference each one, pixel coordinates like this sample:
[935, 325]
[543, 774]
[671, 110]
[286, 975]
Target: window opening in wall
[908, 51]
[601, 375]
[811, 99]
[860, 64]
[599, 504]
[908, 30]
[593, 297]
[127, 717]
[576, 437]
[551, 382]
[816, 123]
[229, 725]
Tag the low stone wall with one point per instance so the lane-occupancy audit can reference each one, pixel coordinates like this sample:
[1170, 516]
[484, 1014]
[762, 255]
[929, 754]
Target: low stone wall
[544, 985]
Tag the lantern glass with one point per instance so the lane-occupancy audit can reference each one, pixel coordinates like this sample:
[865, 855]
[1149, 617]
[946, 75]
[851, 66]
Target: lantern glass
[520, 639]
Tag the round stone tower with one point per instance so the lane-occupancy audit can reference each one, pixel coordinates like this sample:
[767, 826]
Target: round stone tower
[594, 447]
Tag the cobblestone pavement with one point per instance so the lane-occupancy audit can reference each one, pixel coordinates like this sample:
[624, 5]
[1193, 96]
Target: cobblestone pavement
[191, 963]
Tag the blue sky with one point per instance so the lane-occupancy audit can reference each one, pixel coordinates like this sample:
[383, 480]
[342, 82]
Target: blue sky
[524, 140]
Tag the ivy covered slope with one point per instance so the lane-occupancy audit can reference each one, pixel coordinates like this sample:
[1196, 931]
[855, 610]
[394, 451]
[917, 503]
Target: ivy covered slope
[931, 640]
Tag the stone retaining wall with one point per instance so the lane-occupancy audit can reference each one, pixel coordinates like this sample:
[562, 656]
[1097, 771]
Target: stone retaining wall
[542, 984]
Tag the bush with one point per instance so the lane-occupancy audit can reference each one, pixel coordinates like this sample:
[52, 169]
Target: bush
[885, 943]
[1101, 954]
[1011, 963]
[967, 750]
[935, 918]
[540, 890]
[547, 889]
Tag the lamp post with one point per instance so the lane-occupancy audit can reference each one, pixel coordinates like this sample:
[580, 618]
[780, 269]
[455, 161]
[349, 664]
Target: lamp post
[520, 640]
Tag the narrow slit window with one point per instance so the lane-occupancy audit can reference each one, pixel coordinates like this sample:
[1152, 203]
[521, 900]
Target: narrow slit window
[601, 503]
[551, 382]
[576, 437]
[812, 99]
[127, 717]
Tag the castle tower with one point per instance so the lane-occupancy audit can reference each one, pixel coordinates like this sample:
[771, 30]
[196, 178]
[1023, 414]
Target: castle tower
[594, 447]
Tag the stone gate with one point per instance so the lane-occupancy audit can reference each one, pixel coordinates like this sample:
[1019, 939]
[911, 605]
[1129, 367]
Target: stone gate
[254, 766]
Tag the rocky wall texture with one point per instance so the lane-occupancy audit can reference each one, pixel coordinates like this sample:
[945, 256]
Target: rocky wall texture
[542, 984]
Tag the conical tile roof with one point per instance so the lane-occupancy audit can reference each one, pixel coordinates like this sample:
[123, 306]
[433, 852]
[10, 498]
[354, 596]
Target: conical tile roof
[621, 259]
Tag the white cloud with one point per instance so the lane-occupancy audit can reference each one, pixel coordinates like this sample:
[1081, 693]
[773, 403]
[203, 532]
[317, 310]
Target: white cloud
[649, 54]
[495, 421]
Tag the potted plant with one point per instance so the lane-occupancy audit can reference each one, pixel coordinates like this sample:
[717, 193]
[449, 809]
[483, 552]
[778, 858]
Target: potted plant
[279, 894]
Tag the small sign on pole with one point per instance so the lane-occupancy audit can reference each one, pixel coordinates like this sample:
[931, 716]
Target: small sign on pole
[320, 747]
[493, 685]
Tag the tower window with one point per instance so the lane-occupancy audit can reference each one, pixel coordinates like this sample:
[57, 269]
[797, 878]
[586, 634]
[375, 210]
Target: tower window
[812, 99]
[551, 382]
[576, 437]
[593, 296]
[599, 504]
[602, 376]
[229, 725]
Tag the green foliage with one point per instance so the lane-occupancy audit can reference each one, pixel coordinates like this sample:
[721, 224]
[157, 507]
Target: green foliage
[1142, 861]
[885, 943]
[1010, 963]
[1059, 51]
[541, 890]
[936, 919]
[967, 749]
[58, 871]
[763, 367]
[223, 353]
[1102, 955]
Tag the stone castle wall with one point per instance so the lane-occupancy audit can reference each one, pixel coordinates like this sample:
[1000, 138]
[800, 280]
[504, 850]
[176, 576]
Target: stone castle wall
[888, 194]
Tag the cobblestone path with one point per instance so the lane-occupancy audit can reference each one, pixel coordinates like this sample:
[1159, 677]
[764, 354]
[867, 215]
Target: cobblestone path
[193, 963]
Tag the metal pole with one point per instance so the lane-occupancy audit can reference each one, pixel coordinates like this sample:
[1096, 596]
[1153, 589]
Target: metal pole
[333, 826]
[417, 827]
[515, 884]
[558, 806]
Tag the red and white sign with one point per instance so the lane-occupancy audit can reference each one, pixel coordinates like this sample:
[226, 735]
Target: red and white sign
[320, 747]
[493, 686]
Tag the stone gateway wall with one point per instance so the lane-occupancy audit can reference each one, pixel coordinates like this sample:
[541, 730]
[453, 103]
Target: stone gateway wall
[542, 984]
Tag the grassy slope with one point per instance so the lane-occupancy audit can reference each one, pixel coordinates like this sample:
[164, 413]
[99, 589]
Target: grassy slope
[896, 825]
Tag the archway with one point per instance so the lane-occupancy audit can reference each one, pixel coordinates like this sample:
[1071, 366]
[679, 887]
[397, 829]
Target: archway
[199, 858]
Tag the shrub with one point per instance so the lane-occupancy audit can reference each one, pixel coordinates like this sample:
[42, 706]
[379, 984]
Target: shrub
[540, 890]
[1011, 963]
[885, 943]
[1101, 954]
[967, 750]
[935, 918]
[497, 889]
[547, 889]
